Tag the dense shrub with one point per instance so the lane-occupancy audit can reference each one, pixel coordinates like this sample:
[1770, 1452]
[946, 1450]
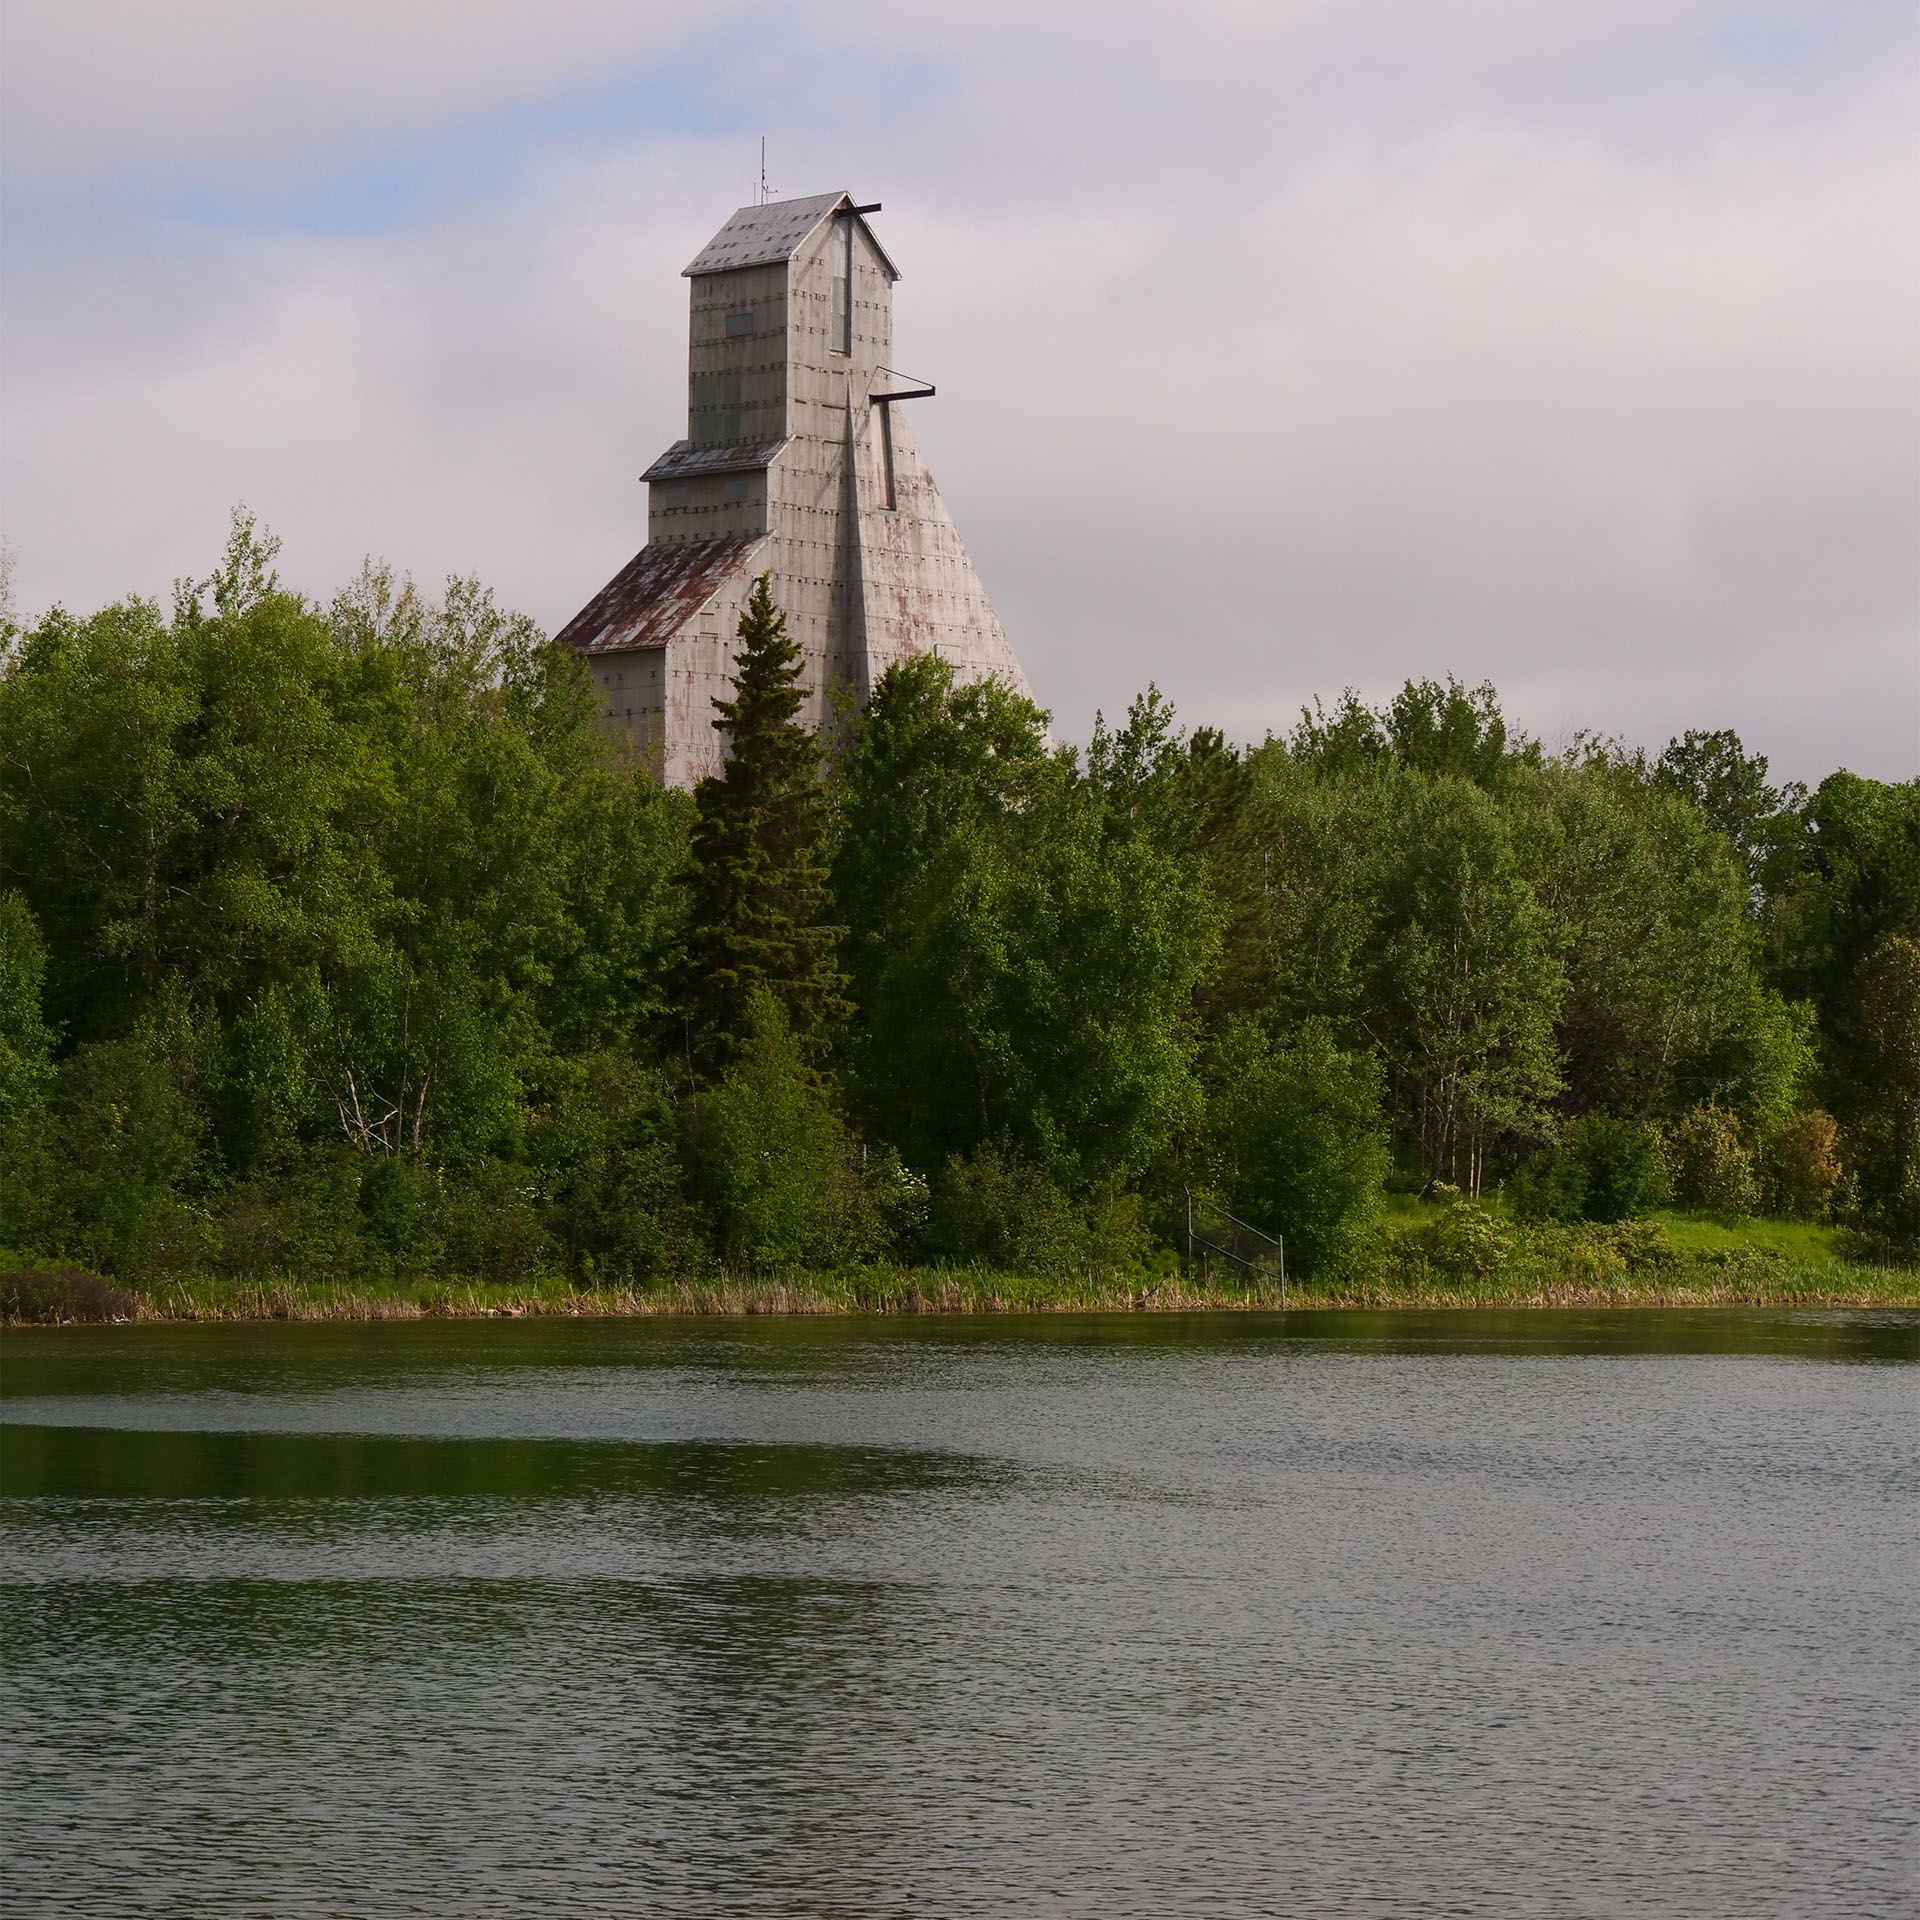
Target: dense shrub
[492, 1225]
[107, 1171]
[1604, 1170]
[1709, 1163]
[1801, 1170]
[61, 1294]
[400, 1209]
[774, 1162]
[1889, 1057]
[26, 1044]
[1293, 1141]
[1462, 1245]
[607, 1154]
[901, 1199]
[1461, 1241]
[993, 1209]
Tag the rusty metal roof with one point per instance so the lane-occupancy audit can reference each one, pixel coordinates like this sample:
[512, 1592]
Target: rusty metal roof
[683, 459]
[656, 593]
[760, 236]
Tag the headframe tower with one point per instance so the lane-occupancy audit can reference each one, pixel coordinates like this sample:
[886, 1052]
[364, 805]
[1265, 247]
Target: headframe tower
[798, 462]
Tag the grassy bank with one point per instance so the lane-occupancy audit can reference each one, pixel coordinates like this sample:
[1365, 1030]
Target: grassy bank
[1420, 1257]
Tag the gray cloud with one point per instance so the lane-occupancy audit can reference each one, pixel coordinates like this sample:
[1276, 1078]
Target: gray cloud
[1279, 349]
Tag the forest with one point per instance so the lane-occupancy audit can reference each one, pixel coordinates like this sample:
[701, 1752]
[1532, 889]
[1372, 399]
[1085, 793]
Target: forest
[335, 941]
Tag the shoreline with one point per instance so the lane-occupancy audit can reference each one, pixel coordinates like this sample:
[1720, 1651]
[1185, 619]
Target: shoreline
[907, 1293]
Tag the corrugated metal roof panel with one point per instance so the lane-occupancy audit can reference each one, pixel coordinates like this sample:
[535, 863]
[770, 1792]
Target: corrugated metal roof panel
[684, 459]
[759, 236]
[656, 593]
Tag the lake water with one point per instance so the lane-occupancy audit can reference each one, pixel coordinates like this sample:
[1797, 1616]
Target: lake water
[1319, 1614]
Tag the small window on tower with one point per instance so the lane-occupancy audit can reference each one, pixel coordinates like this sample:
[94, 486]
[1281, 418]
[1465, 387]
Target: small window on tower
[888, 491]
[738, 324]
[736, 491]
[842, 336]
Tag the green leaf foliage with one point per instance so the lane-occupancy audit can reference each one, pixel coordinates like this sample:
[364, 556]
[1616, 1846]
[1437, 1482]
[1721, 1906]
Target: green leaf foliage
[1024, 942]
[1728, 788]
[1889, 1052]
[996, 1211]
[1665, 1003]
[1463, 978]
[1710, 1163]
[337, 940]
[775, 1164]
[358, 879]
[1858, 882]
[1605, 1170]
[1294, 1141]
[26, 1041]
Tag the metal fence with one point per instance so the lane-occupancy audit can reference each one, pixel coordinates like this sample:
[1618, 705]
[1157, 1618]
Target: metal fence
[1214, 1236]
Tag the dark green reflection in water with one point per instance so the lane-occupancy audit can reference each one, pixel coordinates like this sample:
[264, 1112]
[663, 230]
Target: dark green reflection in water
[278, 1358]
[104, 1463]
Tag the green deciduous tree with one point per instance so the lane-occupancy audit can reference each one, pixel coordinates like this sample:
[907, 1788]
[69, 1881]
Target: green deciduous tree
[930, 759]
[1859, 881]
[1889, 1049]
[1710, 1162]
[332, 938]
[775, 1163]
[356, 877]
[1729, 787]
[1293, 1139]
[1026, 971]
[1300, 872]
[1465, 982]
[26, 1041]
[1605, 1169]
[605, 1150]
[1664, 1004]
[1426, 728]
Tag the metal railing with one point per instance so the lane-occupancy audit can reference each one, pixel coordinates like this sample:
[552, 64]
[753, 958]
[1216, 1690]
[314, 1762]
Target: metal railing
[1215, 1234]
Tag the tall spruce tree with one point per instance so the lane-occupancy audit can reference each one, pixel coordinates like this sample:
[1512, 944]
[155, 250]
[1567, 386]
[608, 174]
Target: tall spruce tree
[757, 882]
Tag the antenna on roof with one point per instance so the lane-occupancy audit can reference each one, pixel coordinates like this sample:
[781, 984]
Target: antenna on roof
[763, 169]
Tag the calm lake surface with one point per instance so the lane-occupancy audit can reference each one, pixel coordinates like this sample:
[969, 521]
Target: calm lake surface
[1318, 1613]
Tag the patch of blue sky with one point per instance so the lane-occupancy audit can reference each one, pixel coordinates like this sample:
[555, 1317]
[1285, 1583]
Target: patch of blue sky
[1787, 36]
[422, 175]
[414, 176]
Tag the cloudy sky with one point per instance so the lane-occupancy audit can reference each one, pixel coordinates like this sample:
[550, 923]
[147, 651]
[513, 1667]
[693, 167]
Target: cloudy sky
[1281, 347]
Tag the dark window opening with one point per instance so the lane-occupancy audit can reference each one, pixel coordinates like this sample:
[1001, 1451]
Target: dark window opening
[713, 418]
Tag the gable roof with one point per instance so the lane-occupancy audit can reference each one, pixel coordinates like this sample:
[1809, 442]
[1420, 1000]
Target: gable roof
[761, 236]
